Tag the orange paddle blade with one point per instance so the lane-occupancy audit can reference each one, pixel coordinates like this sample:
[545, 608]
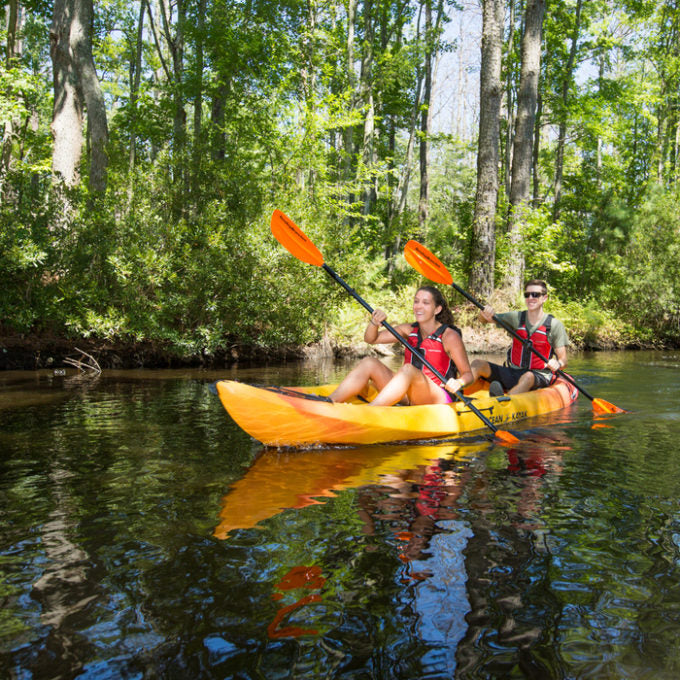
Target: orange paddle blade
[294, 240]
[506, 437]
[602, 406]
[427, 264]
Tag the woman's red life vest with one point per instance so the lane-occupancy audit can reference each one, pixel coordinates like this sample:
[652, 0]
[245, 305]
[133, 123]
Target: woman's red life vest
[520, 355]
[433, 349]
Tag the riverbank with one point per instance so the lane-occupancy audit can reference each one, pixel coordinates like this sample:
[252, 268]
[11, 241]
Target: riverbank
[19, 352]
[32, 352]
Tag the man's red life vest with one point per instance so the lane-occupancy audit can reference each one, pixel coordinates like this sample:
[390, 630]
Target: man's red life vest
[520, 355]
[433, 349]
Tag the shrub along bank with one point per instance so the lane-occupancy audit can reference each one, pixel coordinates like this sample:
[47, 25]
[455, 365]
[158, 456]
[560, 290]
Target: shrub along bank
[341, 335]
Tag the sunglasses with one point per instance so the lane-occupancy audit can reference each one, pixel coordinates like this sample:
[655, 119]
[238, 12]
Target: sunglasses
[533, 294]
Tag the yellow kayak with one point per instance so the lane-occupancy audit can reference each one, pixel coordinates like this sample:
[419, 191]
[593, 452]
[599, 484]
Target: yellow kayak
[299, 417]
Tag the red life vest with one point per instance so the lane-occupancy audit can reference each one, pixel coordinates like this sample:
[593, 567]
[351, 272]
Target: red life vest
[520, 355]
[433, 349]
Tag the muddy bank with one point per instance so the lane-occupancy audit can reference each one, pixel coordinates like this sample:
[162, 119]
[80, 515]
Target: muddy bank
[24, 352]
[31, 353]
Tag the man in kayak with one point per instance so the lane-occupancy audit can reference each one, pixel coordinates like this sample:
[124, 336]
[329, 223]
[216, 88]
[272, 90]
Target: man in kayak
[523, 370]
[433, 334]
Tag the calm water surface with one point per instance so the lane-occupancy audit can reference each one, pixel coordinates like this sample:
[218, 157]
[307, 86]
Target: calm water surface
[143, 535]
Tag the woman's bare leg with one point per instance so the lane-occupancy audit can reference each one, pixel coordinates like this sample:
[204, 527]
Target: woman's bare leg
[412, 382]
[366, 370]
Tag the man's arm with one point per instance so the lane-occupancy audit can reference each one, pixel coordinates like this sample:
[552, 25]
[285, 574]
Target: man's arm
[559, 361]
[560, 341]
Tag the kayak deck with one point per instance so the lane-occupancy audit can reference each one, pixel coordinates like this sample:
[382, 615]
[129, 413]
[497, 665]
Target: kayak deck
[292, 416]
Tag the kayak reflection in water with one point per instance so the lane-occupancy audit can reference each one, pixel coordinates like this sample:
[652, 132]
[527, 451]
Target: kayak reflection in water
[434, 335]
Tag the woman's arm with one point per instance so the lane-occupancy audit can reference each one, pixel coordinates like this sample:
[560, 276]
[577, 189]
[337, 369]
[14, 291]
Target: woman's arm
[453, 344]
[374, 336]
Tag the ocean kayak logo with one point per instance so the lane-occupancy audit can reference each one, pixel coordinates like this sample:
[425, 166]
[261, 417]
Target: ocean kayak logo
[509, 418]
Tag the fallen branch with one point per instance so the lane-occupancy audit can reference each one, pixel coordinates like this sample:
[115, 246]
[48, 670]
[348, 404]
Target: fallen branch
[91, 366]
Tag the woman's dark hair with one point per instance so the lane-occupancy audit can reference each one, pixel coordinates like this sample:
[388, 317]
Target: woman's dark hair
[445, 315]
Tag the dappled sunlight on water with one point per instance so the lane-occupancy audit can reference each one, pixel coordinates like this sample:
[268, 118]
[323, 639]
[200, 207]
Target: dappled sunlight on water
[144, 535]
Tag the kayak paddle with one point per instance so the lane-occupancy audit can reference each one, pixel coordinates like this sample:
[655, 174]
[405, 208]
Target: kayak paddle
[293, 239]
[427, 264]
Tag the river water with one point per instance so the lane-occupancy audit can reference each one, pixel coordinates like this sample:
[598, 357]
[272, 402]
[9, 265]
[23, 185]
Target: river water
[143, 534]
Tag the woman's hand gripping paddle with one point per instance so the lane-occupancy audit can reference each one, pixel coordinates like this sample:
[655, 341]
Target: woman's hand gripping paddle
[427, 264]
[293, 239]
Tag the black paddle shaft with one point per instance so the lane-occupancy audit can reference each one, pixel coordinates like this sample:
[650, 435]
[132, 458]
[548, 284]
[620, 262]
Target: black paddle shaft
[414, 351]
[512, 332]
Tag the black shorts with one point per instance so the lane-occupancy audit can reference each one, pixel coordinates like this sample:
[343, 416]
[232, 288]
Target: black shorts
[508, 376]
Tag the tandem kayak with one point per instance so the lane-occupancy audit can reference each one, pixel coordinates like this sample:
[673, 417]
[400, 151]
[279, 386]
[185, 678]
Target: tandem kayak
[300, 417]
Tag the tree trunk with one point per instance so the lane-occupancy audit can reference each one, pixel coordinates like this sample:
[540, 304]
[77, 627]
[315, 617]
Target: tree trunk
[459, 118]
[93, 97]
[351, 75]
[12, 20]
[9, 133]
[134, 89]
[370, 192]
[218, 143]
[366, 97]
[564, 99]
[522, 153]
[484, 234]
[176, 45]
[510, 105]
[537, 150]
[425, 118]
[67, 117]
[401, 192]
[309, 88]
[76, 86]
[135, 79]
[198, 98]
[157, 42]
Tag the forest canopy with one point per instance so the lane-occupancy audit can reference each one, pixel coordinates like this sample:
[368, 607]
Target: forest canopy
[146, 144]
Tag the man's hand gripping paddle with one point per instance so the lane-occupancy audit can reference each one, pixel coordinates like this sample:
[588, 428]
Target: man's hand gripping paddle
[293, 239]
[427, 264]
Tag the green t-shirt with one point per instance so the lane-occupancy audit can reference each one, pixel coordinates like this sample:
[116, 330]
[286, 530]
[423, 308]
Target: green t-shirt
[557, 337]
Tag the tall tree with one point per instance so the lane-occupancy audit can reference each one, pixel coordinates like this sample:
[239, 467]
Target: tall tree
[76, 88]
[567, 82]
[483, 253]
[348, 151]
[665, 55]
[175, 42]
[432, 47]
[523, 144]
[425, 121]
[367, 98]
[510, 85]
[200, 65]
[11, 124]
[135, 80]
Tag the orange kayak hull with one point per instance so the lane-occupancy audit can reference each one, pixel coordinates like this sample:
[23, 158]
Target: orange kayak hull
[282, 418]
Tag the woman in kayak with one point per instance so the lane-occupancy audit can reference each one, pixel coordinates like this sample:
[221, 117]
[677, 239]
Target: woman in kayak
[434, 334]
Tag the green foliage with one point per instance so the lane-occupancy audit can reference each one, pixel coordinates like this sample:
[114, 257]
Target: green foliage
[591, 326]
[651, 274]
[449, 231]
[25, 266]
[178, 252]
[545, 238]
[194, 286]
[348, 322]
